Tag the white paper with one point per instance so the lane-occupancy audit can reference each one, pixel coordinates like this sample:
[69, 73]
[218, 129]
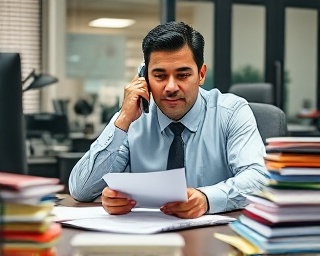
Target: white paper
[64, 213]
[152, 189]
[139, 221]
[293, 139]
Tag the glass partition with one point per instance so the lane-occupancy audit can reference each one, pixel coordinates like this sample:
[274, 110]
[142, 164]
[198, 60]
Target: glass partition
[248, 43]
[301, 26]
[102, 58]
[200, 15]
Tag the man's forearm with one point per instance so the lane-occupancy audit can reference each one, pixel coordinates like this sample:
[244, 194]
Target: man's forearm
[229, 195]
[85, 182]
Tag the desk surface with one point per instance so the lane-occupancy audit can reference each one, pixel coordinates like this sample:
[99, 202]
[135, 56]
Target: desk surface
[199, 241]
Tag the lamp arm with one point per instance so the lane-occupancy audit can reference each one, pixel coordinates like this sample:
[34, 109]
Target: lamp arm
[32, 74]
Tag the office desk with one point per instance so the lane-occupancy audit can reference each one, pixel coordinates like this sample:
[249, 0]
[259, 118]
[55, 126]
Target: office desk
[199, 241]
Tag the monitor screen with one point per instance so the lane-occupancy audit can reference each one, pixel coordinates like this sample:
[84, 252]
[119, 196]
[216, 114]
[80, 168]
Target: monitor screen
[12, 130]
[53, 124]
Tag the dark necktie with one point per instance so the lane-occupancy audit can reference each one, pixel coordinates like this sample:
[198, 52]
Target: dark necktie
[176, 151]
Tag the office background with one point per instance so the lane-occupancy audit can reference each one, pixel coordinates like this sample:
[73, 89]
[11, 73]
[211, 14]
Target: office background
[242, 44]
[247, 41]
[294, 69]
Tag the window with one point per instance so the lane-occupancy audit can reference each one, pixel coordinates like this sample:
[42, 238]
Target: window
[20, 32]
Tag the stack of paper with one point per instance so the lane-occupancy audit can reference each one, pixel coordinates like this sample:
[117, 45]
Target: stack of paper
[150, 190]
[27, 227]
[285, 217]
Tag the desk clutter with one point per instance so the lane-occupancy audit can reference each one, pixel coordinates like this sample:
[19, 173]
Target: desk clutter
[284, 217]
[26, 225]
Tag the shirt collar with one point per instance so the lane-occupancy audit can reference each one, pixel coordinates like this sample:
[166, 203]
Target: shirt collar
[191, 120]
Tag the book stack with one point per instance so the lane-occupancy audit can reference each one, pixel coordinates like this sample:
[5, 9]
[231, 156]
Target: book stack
[26, 225]
[285, 216]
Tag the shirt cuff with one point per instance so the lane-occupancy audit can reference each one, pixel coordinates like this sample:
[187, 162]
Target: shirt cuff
[217, 199]
[118, 137]
[112, 137]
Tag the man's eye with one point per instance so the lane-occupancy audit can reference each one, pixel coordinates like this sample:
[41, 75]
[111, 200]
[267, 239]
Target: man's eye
[159, 77]
[184, 76]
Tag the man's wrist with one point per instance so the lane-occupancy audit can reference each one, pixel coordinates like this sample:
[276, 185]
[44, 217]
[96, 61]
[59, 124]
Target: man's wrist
[122, 124]
[120, 127]
[207, 200]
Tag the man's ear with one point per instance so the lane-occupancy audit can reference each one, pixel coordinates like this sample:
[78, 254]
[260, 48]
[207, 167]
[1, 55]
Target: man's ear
[202, 74]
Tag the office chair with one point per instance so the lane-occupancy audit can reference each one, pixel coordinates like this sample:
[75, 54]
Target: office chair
[271, 120]
[254, 92]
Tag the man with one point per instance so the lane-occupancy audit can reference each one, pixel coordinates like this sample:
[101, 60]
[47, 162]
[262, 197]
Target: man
[223, 150]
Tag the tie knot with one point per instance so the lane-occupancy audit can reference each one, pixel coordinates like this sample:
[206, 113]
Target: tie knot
[176, 128]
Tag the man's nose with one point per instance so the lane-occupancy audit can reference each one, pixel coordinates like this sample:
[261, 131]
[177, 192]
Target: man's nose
[171, 85]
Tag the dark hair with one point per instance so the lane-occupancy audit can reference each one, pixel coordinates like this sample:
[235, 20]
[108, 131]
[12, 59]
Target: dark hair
[173, 36]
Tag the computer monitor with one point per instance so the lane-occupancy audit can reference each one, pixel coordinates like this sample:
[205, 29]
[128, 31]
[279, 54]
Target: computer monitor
[54, 125]
[12, 130]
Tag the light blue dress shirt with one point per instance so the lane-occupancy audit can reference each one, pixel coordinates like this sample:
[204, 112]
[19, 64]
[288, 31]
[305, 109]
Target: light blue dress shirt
[223, 151]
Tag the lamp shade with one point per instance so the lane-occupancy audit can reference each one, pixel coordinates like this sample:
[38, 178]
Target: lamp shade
[36, 81]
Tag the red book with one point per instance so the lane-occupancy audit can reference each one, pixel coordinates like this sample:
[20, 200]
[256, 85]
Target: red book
[17, 182]
[266, 222]
[28, 252]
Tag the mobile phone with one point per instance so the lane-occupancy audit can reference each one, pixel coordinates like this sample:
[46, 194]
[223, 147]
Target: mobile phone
[144, 104]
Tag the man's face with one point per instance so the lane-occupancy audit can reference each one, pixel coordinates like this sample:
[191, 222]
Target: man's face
[174, 81]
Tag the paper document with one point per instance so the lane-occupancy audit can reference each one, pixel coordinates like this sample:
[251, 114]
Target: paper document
[63, 213]
[152, 189]
[139, 221]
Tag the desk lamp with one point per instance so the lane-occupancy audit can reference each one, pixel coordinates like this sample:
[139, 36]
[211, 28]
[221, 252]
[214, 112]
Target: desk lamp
[36, 81]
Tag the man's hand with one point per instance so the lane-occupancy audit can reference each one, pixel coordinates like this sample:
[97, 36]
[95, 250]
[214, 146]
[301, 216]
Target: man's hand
[115, 202]
[195, 207]
[130, 109]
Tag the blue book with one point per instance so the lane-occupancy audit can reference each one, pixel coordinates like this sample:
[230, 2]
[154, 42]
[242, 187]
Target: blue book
[276, 246]
[294, 178]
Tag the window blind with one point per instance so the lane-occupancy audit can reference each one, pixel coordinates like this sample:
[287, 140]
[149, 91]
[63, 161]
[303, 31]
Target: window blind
[20, 31]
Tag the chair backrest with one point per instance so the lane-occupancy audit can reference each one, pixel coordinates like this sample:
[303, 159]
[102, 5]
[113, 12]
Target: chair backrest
[254, 92]
[271, 120]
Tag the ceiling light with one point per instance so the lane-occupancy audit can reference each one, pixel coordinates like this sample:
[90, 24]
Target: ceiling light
[111, 23]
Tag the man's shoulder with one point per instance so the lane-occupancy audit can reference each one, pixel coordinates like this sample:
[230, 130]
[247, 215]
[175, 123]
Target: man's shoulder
[217, 99]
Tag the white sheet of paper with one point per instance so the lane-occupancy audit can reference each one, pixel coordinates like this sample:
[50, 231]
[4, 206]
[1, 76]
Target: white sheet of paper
[64, 213]
[139, 221]
[152, 189]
